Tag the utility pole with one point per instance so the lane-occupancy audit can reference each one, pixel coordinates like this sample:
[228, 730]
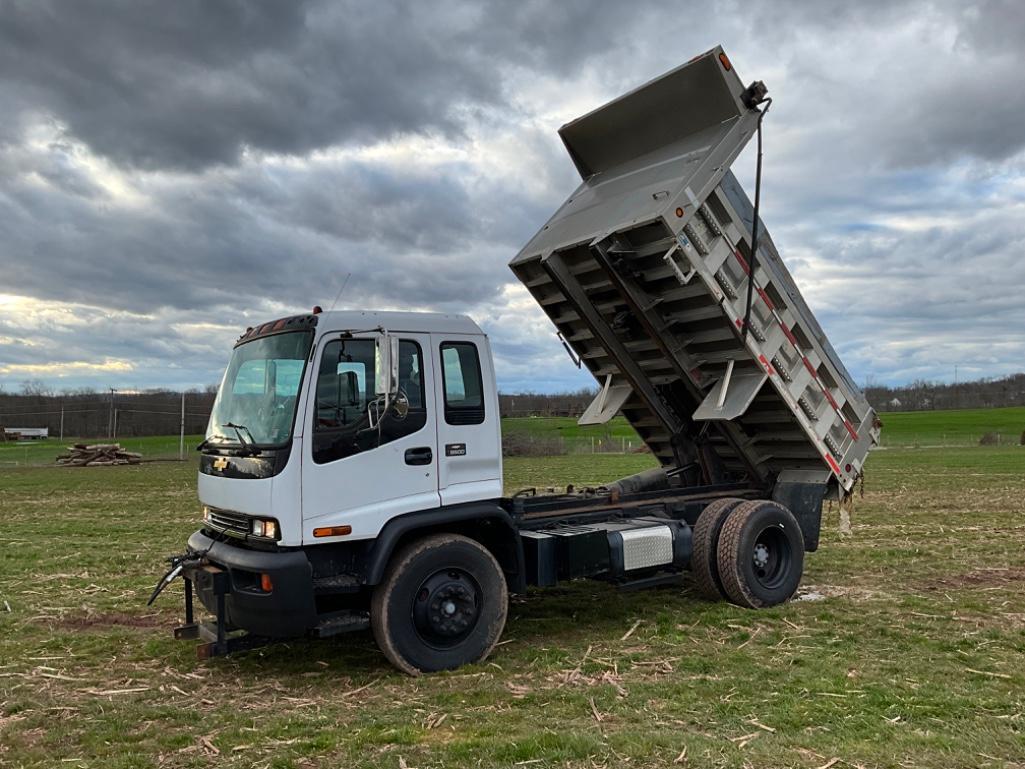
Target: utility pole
[181, 437]
[62, 423]
[110, 418]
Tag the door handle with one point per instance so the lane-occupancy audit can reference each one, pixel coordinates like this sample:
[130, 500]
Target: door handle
[419, 456]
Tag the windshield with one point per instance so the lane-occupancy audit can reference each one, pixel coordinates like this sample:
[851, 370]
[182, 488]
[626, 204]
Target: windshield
[260, 388]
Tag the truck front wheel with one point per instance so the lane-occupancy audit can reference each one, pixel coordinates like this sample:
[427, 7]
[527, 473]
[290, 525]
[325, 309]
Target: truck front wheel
[760, 554]
[442, 604]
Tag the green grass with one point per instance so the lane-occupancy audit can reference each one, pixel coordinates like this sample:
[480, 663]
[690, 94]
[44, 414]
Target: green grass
[912, 658]
[906, 428]
[44, 452]
[567, 427]
[954, 427]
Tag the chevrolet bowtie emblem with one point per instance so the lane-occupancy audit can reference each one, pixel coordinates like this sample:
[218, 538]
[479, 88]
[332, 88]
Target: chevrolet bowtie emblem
[220, 463]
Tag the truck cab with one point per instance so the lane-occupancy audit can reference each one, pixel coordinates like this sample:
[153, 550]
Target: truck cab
[306, 437]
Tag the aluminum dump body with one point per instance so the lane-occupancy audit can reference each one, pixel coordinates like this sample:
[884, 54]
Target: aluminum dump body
[644, 272]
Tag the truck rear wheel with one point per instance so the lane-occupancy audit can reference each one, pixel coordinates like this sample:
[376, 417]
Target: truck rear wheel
[703, 560]
[760, 554]
[442, 604]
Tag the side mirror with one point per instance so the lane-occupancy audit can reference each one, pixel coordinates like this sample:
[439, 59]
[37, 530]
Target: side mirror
[387, 365]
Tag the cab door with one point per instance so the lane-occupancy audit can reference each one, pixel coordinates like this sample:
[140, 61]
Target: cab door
[469, 434]
[358, 470]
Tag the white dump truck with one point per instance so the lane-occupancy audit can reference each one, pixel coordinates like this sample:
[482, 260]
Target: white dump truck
[351, 474]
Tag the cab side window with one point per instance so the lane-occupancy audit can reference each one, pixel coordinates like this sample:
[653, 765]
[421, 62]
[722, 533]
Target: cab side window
[464, 387]
[345, 398]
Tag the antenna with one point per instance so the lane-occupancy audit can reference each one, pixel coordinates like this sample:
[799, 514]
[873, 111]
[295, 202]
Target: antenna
[339, 294]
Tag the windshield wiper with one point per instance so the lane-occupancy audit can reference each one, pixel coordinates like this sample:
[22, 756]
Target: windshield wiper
[248, 446]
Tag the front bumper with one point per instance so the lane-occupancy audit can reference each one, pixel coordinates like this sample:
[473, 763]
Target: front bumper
[288, 610]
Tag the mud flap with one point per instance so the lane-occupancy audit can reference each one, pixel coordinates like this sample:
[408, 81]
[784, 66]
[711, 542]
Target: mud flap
[804, 500]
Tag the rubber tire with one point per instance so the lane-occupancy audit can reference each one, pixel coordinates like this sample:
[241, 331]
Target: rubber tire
[390, 605]
[737, 542]
[703, 559]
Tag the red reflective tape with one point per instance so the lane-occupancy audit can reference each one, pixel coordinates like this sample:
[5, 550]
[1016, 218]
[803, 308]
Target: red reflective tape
[832, 463]
[811, 368]
[742, 260]
[829, 397]
[740, 323]
[789, 334]
[850, 429]
[768, 366]
[765, 298]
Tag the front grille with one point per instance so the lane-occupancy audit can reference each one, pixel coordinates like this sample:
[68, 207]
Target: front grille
[234, 524]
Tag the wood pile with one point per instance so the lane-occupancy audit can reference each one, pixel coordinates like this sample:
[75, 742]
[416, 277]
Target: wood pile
[99, 454]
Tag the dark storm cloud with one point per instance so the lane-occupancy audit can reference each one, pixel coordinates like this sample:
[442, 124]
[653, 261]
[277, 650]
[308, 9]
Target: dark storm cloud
[190, 84]
[244, 237]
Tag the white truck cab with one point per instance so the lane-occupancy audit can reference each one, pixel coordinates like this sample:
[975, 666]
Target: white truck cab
[333, 453]
[351, 474]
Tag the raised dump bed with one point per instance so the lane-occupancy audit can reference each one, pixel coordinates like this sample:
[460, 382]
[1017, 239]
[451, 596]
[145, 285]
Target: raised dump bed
[644, 271]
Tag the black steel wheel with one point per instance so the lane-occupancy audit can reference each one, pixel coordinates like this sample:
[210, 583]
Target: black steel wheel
[760, 554]
[703, 560]
[447, 608]
[442, 604]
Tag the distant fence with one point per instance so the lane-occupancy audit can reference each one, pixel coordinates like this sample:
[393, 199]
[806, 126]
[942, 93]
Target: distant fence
[952, 439]
[514, 444]
[526, 445]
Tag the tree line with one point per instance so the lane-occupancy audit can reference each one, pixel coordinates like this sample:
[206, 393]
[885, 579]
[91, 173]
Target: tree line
[926, 396]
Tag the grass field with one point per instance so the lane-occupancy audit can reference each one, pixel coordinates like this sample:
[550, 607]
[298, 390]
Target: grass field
[912, 656]
[952, 428]
[907, 428]
[13, 454]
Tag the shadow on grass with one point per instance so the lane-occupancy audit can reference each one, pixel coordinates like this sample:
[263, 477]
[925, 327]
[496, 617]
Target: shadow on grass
[560, 620]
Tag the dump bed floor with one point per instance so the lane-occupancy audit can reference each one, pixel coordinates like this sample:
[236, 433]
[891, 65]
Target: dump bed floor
[644, 272]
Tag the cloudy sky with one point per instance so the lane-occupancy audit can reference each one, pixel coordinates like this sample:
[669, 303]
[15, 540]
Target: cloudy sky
[173, 172]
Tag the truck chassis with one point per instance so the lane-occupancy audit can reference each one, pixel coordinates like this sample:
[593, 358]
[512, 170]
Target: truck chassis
[633, 539]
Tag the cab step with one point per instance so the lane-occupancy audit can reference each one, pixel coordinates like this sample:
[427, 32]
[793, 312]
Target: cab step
[337, 583]
[341, 622]
[656, 580]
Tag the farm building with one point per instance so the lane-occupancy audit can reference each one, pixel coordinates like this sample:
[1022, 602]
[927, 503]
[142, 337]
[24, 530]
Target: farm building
[26, 433]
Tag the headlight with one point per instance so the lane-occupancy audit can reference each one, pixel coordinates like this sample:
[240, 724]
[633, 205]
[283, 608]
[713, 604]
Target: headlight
[265, 528]
[206, 514]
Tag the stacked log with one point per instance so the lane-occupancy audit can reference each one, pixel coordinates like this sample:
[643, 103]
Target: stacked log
[99, 454]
